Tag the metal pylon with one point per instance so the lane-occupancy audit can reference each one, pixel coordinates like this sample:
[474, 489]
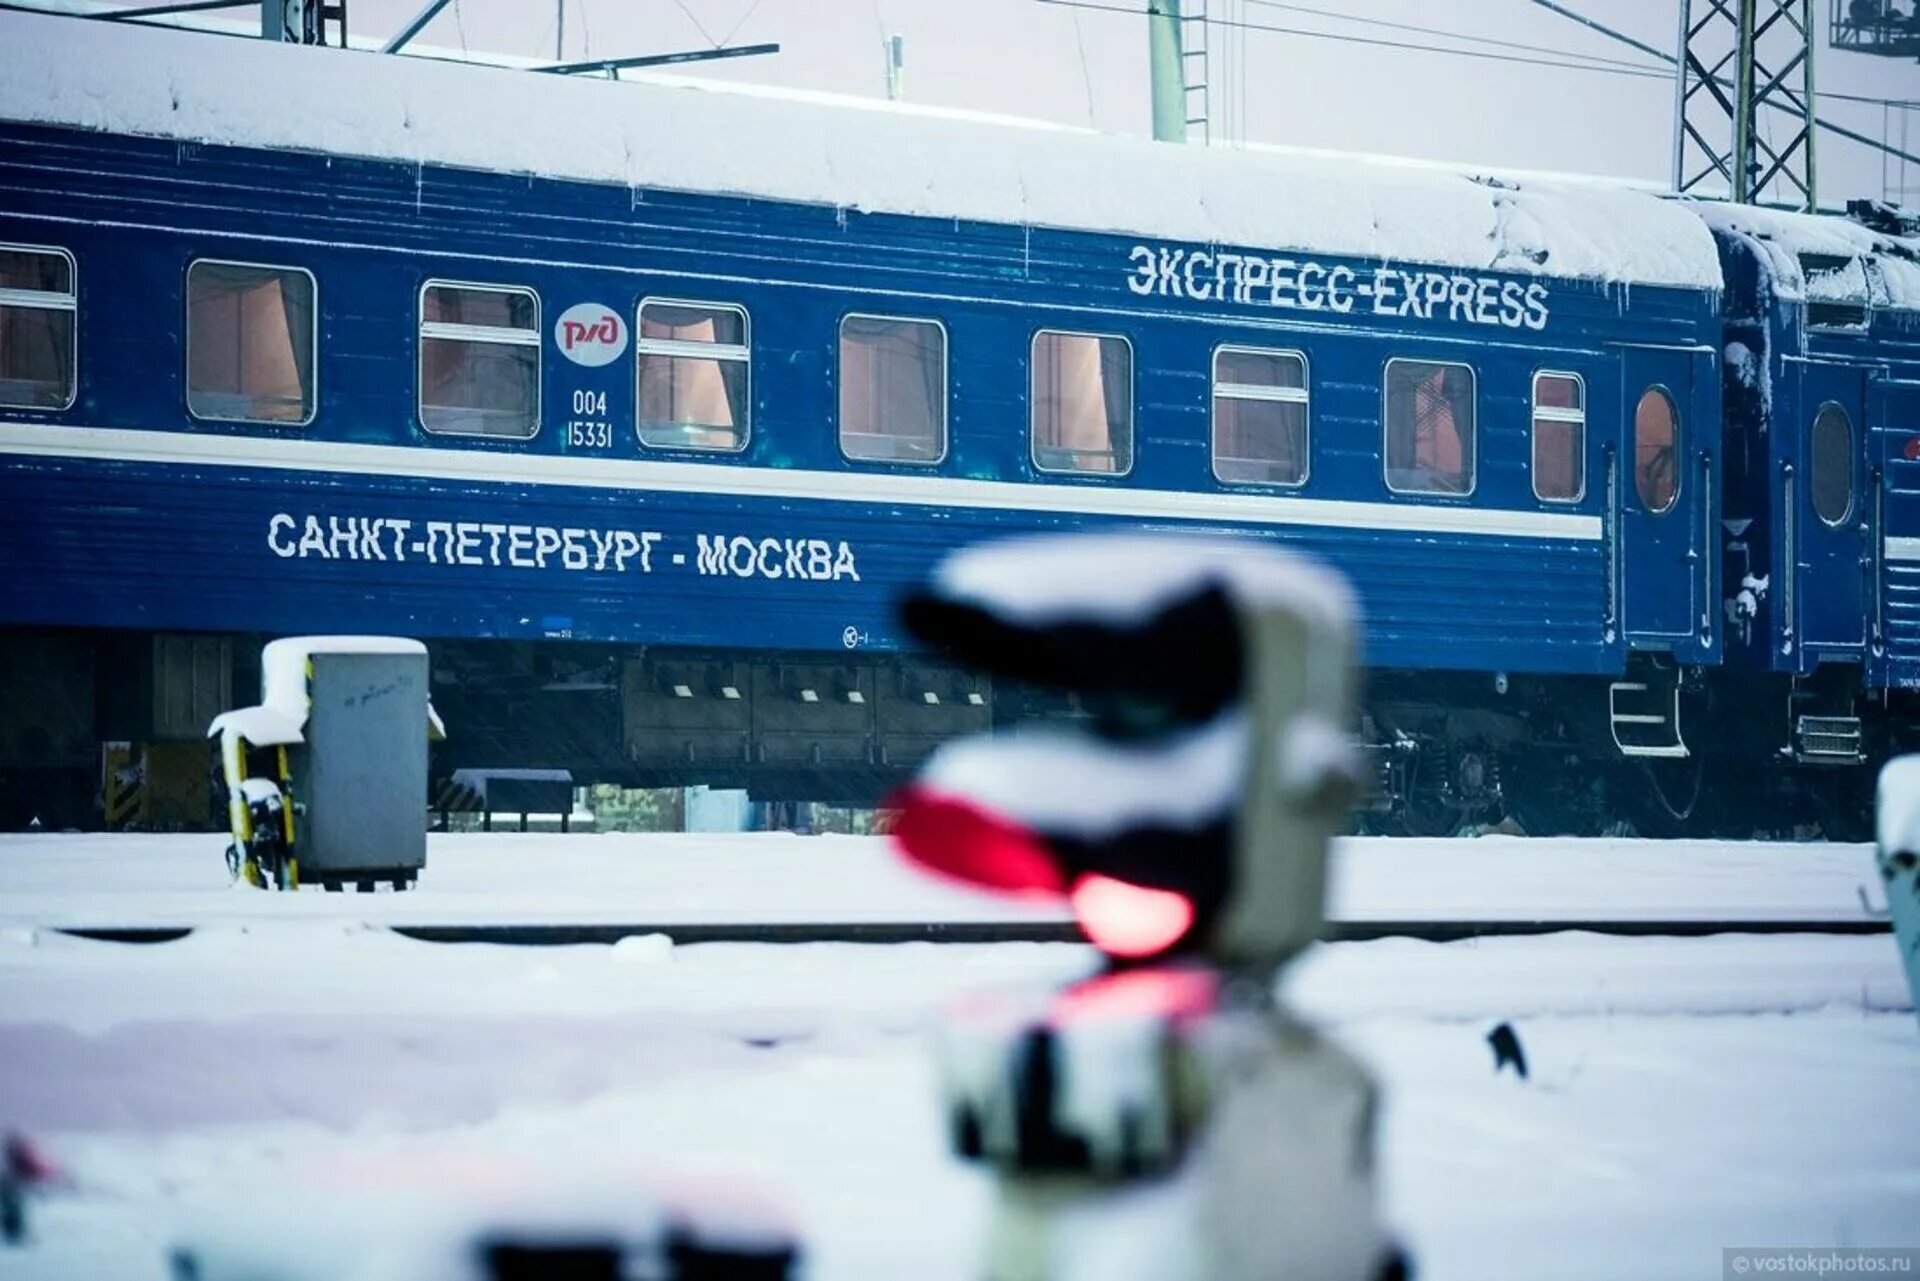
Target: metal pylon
[1196, 61]
[1746, 79]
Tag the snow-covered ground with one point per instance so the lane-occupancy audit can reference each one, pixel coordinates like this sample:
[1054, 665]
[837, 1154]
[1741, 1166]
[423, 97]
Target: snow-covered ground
[552, 879]
[292, 1067]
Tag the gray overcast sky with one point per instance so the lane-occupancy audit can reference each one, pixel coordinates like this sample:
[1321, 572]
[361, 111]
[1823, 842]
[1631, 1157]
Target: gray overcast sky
[1089, 67]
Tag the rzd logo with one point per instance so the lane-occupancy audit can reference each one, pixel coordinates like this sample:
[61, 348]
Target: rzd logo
[590, 334]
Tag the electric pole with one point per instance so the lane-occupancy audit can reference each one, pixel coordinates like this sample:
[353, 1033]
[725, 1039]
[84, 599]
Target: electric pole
[1167, 69]
[1739, 58]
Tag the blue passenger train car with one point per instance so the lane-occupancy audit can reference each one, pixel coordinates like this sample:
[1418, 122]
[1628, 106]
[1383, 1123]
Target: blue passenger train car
[1822, 432]
[642, 402]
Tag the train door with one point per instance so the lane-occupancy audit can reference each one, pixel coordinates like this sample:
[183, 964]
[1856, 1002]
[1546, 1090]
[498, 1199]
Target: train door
[1825, 507]
[1663, 586]
[1893, 524]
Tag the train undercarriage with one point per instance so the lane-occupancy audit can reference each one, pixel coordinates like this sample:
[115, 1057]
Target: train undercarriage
[107, 729]
[1659, 752]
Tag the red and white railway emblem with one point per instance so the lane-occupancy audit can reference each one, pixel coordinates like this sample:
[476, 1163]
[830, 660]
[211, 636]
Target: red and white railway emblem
[590, 334]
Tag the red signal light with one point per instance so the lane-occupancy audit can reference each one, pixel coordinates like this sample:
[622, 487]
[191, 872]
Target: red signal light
[1911, 450]
[961, 840]
[1130, 921]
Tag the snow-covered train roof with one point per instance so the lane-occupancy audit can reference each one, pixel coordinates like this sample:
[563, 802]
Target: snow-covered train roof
[1826, 257]
[699, 137]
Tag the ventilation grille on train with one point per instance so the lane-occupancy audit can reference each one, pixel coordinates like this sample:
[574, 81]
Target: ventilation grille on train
[1836, 291]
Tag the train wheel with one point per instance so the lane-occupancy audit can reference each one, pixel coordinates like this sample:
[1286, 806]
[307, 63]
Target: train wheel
[1665, 800]
[1371, 823]
[1414, 817]
[1844, 810]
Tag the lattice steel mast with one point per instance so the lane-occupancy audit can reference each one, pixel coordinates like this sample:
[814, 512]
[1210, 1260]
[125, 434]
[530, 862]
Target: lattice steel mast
[1739, 58]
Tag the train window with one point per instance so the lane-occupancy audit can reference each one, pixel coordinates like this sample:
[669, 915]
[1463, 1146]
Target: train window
[1430, 427]
[250, 342]
[1830, 473]
[1081, 412]
[479, 360]
[1559, 437]
[1656, 450]
[38, 305]
[1259, 416]
[692, 375]
[893, 389]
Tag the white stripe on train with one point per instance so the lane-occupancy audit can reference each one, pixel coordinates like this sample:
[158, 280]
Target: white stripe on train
[289, 453]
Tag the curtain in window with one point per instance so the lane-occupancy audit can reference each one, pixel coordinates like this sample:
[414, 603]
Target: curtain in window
[1116, 381]
[249, 342]
[1082, 387]
[478, 388]
[1258, 439]
[296, 301]
[892, 393]
[36, 357]
[1436, 431]
[691, 400]
[1559, 437]
[1556, 458]
[1429, 428]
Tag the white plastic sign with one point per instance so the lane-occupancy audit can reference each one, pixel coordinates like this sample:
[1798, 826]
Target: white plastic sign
[590, 334]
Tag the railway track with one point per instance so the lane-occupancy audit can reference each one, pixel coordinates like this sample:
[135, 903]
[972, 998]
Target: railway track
[876, 932]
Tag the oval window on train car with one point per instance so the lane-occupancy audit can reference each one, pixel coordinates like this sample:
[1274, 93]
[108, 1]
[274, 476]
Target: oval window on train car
[1656, 450]
[1830, 473]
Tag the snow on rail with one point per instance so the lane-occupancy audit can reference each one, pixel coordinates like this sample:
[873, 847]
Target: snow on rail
[813, 148]
[776, 879]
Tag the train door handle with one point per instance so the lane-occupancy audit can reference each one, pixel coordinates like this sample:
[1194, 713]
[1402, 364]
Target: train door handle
[1709, 546]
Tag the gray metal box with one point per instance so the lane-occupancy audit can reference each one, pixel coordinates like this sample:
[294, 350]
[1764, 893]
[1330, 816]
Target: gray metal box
[366, 768]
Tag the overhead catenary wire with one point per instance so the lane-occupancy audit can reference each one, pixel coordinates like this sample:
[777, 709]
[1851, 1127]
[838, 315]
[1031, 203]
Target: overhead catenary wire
[1604, 29]
[698, 25]
[1673, 60]
[1670, 59]
[1086, 74]
[1607, 67]
[734, 30]
[1463, 36]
